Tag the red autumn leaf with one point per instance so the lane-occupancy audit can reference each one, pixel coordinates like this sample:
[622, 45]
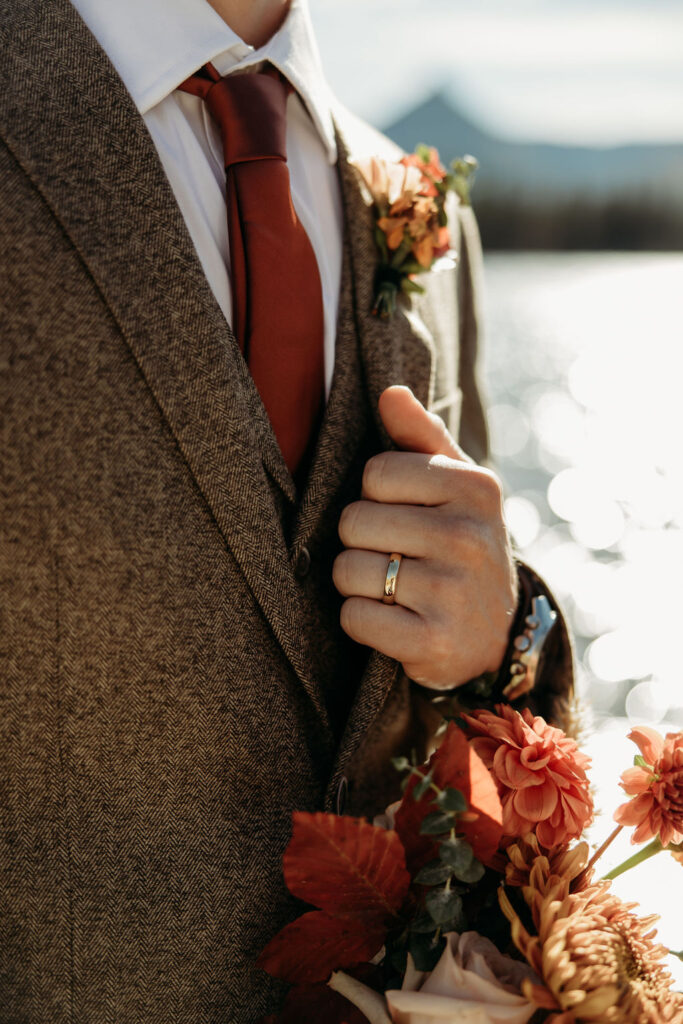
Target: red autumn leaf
[356, 874]
[456, 765]
[347, 867]
[310, 948]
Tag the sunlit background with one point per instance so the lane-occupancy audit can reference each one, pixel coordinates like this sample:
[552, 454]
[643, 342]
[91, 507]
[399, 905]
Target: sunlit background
[597, 72]
[575, 112]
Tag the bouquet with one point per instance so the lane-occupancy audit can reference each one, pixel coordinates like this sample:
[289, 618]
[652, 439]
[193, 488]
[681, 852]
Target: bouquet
[474, 898]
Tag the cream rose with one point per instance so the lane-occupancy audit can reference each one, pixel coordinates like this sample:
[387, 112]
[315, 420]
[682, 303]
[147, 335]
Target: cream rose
[472, 983]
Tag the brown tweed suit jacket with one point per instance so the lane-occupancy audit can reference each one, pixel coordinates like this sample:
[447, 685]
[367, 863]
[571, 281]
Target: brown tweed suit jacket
[173, 678]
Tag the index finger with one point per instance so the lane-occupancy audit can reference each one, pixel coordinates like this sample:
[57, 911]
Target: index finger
[413, 478]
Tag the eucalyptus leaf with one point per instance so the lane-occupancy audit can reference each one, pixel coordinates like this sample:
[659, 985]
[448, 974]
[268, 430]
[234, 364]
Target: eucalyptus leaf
[473, 872]
[423, 924]
[437, 823]
[434, 873]
[443, 905]
[457, 853]
[458, 923]
[422, 786]
[451, 800]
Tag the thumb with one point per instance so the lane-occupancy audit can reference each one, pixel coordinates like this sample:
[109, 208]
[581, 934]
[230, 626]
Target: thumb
[412, 428]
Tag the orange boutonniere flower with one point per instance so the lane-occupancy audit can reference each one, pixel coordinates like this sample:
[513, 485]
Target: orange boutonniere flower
[409, 200]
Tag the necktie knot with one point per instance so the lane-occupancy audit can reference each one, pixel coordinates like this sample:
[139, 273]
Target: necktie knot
[251, 112]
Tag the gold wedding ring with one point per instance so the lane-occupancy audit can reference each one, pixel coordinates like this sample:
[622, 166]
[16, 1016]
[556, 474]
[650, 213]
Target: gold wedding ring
[392, 578]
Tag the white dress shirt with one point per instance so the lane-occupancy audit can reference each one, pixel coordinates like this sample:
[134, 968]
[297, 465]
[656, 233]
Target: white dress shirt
[155, 45]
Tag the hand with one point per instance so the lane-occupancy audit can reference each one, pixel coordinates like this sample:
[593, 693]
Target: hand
[456, 591]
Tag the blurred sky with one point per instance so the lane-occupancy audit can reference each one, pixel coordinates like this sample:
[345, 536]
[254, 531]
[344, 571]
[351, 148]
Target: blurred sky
[599, 72]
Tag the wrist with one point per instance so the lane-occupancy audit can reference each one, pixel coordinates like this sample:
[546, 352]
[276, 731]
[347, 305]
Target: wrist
[532, 640]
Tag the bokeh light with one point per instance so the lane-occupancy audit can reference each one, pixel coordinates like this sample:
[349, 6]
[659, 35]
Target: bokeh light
[582, 365]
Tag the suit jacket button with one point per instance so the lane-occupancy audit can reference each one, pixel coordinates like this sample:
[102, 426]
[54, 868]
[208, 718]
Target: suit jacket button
[302, 566]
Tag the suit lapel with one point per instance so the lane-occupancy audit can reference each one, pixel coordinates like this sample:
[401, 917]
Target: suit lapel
[77, 134]
[370, 354]
[346, 416]
[399, 350]
[395, 351]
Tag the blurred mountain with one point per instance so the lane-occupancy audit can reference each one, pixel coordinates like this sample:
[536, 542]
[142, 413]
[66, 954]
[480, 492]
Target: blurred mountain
[545, 170]
[545, 196]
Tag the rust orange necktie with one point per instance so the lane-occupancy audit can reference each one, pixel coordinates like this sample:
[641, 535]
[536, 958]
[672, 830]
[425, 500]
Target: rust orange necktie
[276, 290]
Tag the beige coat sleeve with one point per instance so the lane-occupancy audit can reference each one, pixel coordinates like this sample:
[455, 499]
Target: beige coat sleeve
[473, 435]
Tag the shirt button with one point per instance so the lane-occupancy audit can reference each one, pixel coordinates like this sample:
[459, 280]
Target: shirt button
[302, 566]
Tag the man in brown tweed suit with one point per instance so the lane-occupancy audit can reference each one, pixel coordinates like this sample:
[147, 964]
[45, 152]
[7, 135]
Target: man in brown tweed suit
[174, 679]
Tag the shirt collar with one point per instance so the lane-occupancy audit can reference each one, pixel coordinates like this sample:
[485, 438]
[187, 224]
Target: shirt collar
[156, 44]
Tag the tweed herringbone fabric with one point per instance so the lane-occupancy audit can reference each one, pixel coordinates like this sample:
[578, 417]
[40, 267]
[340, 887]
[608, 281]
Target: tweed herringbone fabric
[173, 682]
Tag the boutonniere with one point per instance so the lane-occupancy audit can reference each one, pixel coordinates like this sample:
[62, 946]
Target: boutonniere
[411, 225]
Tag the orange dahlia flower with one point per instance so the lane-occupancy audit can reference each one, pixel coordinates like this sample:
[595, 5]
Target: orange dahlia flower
[540, 773]
[656, 787]
[597, 961]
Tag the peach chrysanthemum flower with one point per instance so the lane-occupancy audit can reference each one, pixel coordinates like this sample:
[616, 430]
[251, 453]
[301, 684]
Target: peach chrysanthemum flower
[656, 787]
[597, 961]
[540, 773]
[529, 865]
